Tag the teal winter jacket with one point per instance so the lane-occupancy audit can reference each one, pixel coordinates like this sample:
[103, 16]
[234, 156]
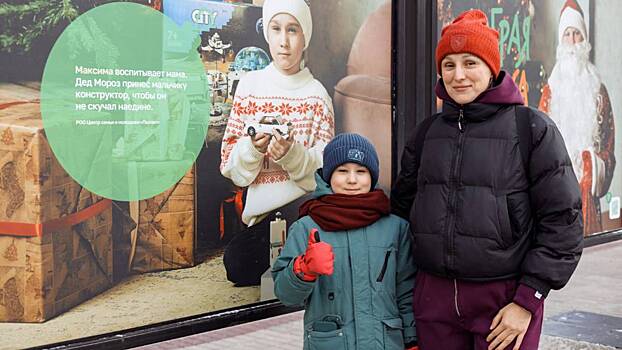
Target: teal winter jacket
[367, 302]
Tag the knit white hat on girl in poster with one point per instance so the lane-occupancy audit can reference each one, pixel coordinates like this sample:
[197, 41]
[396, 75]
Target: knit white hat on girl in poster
[287, 27]
[299, 9]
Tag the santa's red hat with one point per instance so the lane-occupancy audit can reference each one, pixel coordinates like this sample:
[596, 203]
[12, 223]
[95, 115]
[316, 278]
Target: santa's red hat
[571, 16]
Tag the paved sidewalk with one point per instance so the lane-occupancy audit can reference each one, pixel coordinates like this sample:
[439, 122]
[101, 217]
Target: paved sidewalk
[277, 333]
[594, 288]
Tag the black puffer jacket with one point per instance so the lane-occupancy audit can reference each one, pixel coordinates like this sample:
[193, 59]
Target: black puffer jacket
[476, 216]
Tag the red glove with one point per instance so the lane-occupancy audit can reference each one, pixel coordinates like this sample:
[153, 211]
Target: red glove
[413, 348]
[317, 260]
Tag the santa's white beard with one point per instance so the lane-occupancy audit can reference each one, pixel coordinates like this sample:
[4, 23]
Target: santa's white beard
[575, 85]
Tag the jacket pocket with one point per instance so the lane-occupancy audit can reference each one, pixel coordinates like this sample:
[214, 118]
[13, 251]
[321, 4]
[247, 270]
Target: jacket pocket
[505, 228]
[393, 333]
[383, 269]
[330, 340]
[382, 272]
[382, 261]
[520, 213]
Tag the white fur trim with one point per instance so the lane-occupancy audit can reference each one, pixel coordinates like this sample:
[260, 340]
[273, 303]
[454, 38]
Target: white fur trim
[571, 18]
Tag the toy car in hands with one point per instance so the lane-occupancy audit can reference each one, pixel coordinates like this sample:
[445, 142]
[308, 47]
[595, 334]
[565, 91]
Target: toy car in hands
[266, 125]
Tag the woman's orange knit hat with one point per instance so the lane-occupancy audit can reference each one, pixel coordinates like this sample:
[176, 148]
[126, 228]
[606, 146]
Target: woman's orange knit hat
[470, 33]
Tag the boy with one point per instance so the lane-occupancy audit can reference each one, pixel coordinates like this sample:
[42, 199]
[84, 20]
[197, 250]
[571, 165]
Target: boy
[347, 259]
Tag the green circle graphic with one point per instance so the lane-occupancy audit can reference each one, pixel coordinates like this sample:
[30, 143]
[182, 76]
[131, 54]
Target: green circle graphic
[124, 110]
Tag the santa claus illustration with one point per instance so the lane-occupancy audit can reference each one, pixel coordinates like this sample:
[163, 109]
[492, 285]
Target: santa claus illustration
[578, 102]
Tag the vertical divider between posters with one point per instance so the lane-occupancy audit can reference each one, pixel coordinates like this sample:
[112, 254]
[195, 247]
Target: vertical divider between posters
[425, 77]
[195, 200]
[414, 71]
[592, 25]
[395, 138]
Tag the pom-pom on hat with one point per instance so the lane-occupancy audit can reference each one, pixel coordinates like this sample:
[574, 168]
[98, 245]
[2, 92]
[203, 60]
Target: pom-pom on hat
[470, 32]
[350, 148]
[299, 9]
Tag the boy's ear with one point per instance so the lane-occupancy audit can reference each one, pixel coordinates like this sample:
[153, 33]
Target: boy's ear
[320, 172]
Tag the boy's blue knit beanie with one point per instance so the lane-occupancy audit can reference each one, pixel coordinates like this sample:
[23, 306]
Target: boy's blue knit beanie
[350, 148]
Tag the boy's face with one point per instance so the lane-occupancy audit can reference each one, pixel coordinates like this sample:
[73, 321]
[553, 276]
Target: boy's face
[286, 42]
[350, 179]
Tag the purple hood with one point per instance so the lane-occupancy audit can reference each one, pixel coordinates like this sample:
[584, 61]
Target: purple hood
[503, 92]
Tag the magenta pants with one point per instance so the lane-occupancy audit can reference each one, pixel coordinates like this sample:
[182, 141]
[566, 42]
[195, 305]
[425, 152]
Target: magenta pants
[452, 314]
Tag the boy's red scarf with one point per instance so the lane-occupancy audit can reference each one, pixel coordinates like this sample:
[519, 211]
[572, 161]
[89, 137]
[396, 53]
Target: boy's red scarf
[338, 212]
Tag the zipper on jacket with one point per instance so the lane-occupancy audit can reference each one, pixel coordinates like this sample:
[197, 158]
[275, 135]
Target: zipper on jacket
[384, 267]
[461, 120]
[454, 180]
[456, 297]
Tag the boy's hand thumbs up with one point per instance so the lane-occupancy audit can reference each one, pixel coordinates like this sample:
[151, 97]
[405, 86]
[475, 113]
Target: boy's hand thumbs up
[314, 237]
[317, 260]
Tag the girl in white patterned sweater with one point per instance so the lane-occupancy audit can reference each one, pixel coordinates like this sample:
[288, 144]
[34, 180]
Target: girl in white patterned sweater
[278, 170]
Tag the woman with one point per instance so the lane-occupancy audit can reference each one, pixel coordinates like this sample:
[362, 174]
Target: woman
[492, 234]
[277, 169]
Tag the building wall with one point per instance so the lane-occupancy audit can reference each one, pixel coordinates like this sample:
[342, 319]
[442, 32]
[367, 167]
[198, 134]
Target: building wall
[607, 53]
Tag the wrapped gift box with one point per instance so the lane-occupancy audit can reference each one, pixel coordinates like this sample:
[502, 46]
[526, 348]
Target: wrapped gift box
[55, 237]
[163, 235]
[122, 227]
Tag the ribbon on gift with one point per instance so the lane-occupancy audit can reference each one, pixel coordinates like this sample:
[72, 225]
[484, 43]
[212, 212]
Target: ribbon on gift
[37, 230]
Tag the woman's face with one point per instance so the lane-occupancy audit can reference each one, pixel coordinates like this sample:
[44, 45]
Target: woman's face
[286, 42]
[465, 76]
[350, 179]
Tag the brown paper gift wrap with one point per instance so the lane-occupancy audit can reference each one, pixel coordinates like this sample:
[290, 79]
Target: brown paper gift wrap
[165, 234]
[55, 237]
[19, 93]
[122, 225]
